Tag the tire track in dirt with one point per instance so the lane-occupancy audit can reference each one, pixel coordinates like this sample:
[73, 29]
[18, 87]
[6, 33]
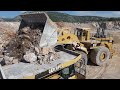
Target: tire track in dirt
[108, 71]
[95, 72]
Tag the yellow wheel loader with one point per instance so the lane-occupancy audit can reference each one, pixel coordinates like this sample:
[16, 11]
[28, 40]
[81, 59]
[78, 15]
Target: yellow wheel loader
[99, 45]
[71, 63]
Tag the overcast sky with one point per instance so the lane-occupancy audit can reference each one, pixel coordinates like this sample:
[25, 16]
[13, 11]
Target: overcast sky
[78, 13]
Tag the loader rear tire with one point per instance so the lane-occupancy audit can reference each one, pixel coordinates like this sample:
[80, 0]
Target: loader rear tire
[80, 66]
[100, 55]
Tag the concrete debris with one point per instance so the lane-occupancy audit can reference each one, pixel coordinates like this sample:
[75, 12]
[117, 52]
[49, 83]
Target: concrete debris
[8, 60]
[47, 55]
[1, 56]
[37, 50]
[15, 61]
[40, 59]
[25, 30]
[1, 59]
[31, 57]
[45, 51]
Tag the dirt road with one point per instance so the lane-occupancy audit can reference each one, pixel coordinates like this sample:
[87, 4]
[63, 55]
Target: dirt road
[109, 71]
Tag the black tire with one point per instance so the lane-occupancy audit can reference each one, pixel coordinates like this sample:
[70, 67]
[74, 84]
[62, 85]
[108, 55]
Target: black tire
[96, 53]
[81, 71]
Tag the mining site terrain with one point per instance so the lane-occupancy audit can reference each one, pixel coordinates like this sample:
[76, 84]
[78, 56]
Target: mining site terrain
[10, 39]
[110, 71]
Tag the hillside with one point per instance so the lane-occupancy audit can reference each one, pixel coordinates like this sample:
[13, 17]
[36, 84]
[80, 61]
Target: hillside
[62, 17]
[58, 17]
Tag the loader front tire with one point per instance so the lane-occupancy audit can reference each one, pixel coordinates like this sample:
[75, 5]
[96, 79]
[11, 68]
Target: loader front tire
[100, 55]
[80, 66]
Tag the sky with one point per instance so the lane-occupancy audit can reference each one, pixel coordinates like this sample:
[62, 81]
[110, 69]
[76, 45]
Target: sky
[11, 14]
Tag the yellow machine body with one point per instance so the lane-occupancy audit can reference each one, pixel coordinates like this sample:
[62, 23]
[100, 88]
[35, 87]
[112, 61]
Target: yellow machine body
[56, 75]
[90, 42]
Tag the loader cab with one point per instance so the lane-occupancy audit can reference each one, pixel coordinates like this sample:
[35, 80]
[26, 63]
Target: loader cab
[83, 34]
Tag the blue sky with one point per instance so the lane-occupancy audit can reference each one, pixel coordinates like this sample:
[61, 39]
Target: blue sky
[11, 14]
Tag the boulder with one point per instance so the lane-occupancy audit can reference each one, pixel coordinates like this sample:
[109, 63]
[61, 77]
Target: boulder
[45, 51]
[1, 59]
[30, 57]
[15, 61]
[8, 60]
[37, 50]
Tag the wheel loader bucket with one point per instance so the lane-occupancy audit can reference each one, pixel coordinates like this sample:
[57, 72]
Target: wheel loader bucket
[44, 23]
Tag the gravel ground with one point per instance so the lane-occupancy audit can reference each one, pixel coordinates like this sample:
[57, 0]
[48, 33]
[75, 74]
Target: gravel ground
[109, 71]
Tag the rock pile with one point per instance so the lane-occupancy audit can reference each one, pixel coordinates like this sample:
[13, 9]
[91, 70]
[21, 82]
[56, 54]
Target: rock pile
[25, 47]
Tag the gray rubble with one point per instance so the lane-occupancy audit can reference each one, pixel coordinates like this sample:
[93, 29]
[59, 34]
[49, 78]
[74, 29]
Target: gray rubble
[24, 47]
[30, 57]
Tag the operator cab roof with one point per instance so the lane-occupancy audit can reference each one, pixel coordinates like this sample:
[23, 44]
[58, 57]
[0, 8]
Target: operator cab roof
[88, 29]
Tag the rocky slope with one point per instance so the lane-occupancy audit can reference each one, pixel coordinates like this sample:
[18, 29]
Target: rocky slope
[7, 31]
[108, 25]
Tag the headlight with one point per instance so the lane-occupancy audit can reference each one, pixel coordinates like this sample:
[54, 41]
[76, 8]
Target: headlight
[65, 71]
[111, 41]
